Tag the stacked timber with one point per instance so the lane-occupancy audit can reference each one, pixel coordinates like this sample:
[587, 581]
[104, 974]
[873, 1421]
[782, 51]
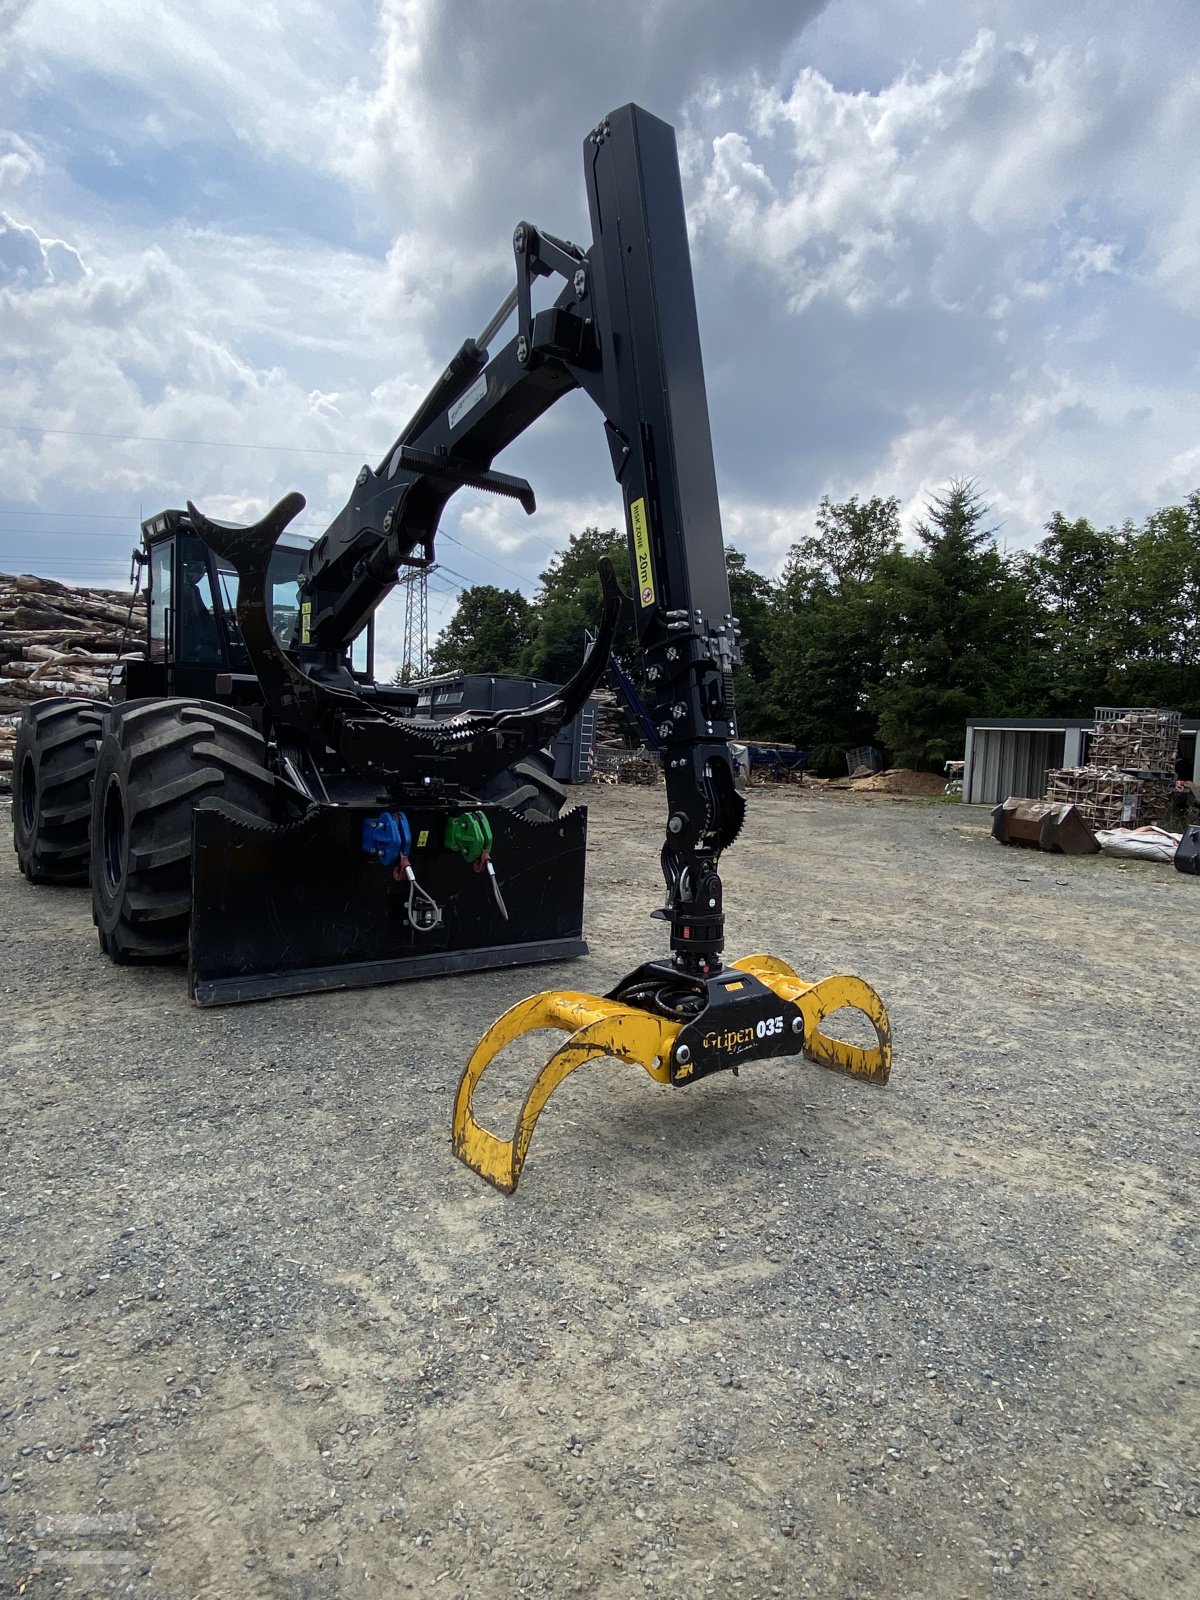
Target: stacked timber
[1139, 738]
[615, 763]
[1104, 797]
[618, 754]
[1129, 781]
[58, 640]
[613, 721]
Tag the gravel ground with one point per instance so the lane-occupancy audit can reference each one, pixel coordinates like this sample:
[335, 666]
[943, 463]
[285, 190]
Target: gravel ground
[260, 1335]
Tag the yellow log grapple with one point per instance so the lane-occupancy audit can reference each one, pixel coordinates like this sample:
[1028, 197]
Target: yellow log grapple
[762, 1009]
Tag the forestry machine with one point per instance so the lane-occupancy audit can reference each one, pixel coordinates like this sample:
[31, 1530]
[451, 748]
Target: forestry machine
[299, 827]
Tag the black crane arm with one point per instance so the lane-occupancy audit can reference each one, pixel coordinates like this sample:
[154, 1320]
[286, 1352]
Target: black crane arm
[684, 1019]
[623, 328]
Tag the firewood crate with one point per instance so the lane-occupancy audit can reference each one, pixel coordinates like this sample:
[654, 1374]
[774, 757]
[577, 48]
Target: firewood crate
[1135, 736]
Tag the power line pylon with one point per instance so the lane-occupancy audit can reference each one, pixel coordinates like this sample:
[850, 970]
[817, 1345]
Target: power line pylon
[415, 662]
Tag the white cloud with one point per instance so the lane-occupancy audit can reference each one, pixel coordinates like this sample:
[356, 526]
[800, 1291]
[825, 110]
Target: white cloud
[945, 183]
[18, 161]
[27, 261]
[964, 246]
[271, 75]
[1001, 213]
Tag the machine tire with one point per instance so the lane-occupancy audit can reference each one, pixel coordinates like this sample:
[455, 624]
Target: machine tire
[528, 788]
[53, 764]
[158, 759]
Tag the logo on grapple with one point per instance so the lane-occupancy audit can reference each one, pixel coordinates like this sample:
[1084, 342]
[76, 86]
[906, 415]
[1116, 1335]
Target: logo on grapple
[734, 1041]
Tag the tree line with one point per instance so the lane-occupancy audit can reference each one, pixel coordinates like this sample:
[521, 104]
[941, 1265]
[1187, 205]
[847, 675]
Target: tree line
[862, 641]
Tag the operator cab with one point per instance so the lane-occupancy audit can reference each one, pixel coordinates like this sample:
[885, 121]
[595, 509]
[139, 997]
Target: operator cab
[194, 646]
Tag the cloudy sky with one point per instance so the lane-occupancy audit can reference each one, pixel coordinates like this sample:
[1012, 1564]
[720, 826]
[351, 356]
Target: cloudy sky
[931, 238]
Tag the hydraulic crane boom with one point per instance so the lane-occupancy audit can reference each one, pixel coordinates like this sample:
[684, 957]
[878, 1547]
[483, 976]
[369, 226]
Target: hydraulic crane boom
[625, 330]
[622, 328]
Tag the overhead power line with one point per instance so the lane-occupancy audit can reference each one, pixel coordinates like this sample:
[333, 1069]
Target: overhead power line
[200, 444]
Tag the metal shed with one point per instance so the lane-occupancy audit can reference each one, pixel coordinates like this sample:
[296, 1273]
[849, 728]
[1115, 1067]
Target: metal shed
[1011, 755]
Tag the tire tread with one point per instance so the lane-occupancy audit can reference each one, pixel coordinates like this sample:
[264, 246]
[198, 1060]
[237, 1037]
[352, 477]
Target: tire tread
[60, 737]
[170, 757]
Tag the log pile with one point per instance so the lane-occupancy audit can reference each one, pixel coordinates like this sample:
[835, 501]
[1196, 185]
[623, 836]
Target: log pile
[1140, 738]
[640, 767]
[1130, 777]
[58, 640]
[618, 754]
[1104, 797]
[614, 762]
[614, 723]
[774, 763]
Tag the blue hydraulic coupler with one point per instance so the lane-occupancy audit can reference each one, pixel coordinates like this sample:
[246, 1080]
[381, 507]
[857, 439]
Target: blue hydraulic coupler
[387, 837]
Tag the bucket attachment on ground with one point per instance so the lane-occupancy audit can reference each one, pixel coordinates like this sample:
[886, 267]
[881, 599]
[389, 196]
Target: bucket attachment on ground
[1044, 825]
[678, 1029]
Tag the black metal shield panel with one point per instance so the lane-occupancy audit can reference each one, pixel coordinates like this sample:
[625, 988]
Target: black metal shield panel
[300, 908]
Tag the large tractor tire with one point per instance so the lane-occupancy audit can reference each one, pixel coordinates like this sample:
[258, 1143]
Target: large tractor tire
[157, 761]
[53, 764]
[528, 788]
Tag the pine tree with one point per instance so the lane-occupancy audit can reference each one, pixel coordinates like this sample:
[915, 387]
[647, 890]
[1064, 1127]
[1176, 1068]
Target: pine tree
[959, 629]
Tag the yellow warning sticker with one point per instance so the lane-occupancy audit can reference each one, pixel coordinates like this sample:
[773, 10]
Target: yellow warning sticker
[643, 570]
[306, 622]
[422, 838]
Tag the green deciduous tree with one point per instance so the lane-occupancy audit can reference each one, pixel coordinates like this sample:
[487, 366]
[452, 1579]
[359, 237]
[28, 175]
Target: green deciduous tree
[489, 632]
[569, 603]
[1069, 577]
[752, 599]
[827, 637]
[1152, 611]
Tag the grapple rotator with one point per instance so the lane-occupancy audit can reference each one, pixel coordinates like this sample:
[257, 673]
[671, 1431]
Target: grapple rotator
[677, 1031]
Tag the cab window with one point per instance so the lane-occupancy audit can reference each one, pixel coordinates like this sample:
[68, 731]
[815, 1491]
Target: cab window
[160, 599]
[198, 631]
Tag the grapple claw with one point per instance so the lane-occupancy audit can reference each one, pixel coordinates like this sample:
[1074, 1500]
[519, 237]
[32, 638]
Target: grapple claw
[597, 1027]
[727, 1025]
[820, 1000]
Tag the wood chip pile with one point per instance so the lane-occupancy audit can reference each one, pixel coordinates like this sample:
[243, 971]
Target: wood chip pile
[58, 640]
[1130, 778]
